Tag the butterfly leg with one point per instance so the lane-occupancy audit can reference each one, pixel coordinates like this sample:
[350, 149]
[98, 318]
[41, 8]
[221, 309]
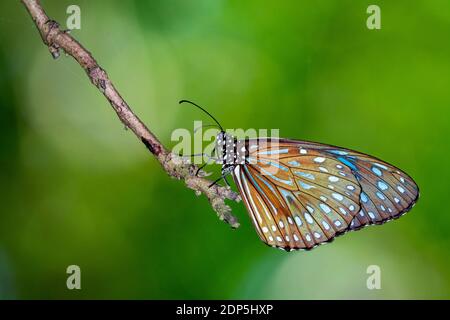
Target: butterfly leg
[200, 155]
[226, 181]
[200, 168]
[194, 155]
[224, 177]
[215, 182]
[210, 157]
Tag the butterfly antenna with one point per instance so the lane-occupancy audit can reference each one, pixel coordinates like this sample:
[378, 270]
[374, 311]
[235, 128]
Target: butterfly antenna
[209, 114]
[205, 126]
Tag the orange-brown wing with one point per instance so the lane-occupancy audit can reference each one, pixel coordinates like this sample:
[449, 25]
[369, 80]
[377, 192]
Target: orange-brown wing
[297, 200]
[385, 192]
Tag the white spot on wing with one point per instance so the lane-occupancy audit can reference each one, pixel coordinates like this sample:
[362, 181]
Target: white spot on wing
[319, 159]
[274, 151]
[337, 196]
[305, 185]
[333, 179]
[294, 163]
[377, 171]
[325, 208]
[304, 174]
[364, 197]
[383, 186]
[380, 195]
[380, 165]
[309, 218]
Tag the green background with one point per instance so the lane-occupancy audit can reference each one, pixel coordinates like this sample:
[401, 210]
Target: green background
[76, 188]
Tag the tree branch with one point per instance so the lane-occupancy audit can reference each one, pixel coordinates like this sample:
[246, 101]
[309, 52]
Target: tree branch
[177, 167]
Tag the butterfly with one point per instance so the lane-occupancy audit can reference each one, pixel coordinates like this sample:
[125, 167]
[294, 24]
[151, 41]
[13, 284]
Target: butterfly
[301, 194]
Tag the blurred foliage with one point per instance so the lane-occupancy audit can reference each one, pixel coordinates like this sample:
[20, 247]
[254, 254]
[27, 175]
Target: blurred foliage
[76, 188]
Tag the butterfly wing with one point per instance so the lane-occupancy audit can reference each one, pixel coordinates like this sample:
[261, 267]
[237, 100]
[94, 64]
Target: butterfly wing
[301, 194]
[386, 191]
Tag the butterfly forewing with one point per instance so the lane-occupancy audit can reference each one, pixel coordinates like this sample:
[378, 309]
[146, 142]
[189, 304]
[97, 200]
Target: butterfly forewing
[301, 194]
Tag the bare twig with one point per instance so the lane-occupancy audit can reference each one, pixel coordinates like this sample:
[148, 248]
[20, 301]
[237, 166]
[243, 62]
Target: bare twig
[56, 40]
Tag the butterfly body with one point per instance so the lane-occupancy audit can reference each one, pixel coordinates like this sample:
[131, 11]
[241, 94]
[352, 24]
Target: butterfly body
[301, 194]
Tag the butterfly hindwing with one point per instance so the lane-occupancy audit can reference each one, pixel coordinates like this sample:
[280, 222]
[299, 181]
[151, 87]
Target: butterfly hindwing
[294, 201]
[387, 192]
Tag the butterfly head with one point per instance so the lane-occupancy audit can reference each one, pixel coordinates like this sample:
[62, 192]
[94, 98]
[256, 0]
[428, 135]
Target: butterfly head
[231, 152]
